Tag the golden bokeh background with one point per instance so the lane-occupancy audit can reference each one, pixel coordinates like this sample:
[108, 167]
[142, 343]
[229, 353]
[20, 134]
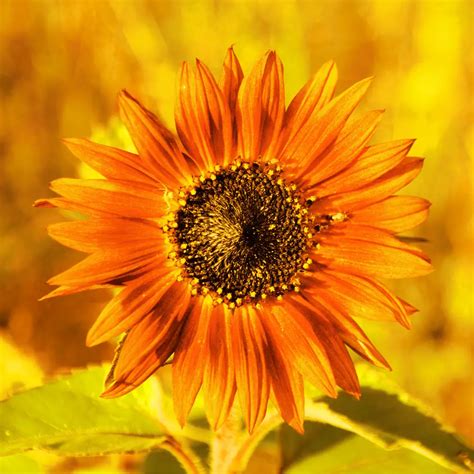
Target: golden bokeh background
[62, 63]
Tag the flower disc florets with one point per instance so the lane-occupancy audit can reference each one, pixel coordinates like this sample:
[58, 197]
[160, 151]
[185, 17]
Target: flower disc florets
[242, 233]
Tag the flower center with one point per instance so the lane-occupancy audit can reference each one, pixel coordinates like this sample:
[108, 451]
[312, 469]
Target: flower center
[242, 233]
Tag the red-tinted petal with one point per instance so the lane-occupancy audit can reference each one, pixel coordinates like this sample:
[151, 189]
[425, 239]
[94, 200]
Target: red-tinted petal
[322, 129]
[155, 143]
[366, 250]
[315, 94]
[132, 304]
[191, 357]
[112, 163]
[301, 345]
[372, 163]
[260, 110]
[219, 378]
[347, 147]
[98, 234]
[381, 188]
[118, 198]
[151, 333]
[249, 346]
[396, 213]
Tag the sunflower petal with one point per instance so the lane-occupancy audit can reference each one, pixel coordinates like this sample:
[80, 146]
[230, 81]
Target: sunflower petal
[219, 378]
[348, 330]
[110, 162]
[142, 371]
[120, 198]
[97, 234]
[293, 332]
[383, 187]
[347, 147]
[106, 265]
[350, 290]
[372, 163]
[190, 358]
[127, 308]
[151, 333]
[231, 80]
[366, 250]
[260, 109]
[288, 389]
[322, 129]
[341, 364]
[315, 94]
[395, 213]
[251, 373]
[156, 145]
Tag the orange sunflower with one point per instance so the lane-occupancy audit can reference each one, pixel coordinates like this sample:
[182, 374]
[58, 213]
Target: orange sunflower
[245, 245]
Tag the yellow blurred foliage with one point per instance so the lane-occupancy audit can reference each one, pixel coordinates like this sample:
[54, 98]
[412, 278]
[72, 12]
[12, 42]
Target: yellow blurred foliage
[62, 63]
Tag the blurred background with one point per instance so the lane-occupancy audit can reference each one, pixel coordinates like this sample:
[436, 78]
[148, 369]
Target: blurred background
[62, 64]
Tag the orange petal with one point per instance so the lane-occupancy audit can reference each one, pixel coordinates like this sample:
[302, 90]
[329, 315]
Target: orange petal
[251, 373]
[61, 203]
[231, 80]
[108, 265]
[155, 143]
[273, 106]
[202, 117]
[98, 234]
[71, 290]
[341, 363]
[219, 378]
[110, 162]
[127, 308]
[292, 331]
[372, 163]
[288, 388]
[348, 330]
[347, 147]
[381, 188]
[359, 296]
[190, 358]
[322, 129]
[121, 198]
[152, 332]
[142, 371]
[396, 213]
[366, 250]
[315, 94]
[260, 109]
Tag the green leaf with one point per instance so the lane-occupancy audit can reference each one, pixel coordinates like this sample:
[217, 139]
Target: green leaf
[69, 417]
[388, 417]
[330, 450]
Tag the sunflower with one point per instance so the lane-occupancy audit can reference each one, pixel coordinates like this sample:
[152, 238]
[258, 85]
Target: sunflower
[244, 246]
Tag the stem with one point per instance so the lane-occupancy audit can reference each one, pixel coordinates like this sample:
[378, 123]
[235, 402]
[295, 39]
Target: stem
[226, 443]
[244, 452]
[189, 461]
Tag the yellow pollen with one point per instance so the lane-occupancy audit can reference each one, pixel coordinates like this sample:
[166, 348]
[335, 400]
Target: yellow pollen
[338, 217]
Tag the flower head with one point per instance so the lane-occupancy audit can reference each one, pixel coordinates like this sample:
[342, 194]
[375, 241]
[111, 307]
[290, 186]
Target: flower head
[245, 248]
